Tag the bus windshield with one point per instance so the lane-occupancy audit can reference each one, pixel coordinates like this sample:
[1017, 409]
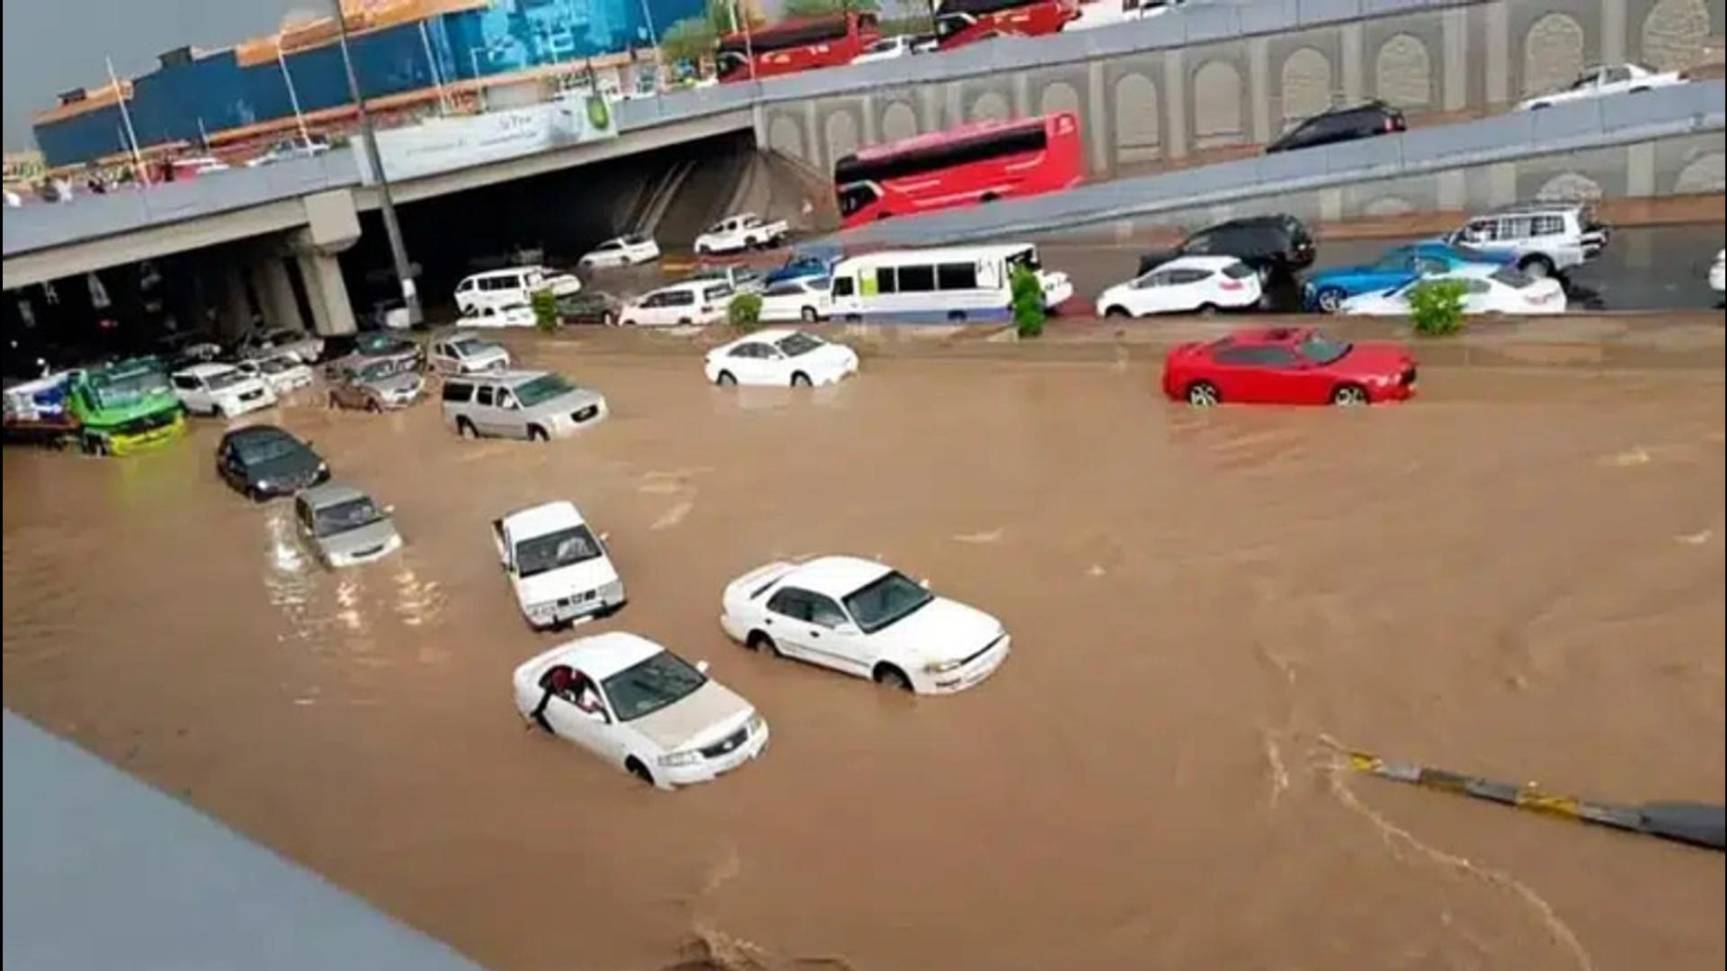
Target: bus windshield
[128, 388]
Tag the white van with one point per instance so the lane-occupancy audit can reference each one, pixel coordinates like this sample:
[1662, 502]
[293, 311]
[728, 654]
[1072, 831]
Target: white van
[963, 283]
[699, 302]
[500, 288]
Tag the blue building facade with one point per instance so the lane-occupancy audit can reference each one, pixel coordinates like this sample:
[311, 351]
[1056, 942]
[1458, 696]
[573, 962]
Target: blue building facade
[196, 98]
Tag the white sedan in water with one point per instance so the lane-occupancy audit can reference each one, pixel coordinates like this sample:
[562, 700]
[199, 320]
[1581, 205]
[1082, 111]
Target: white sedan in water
[1187, 284]
[641, 708]
[1486, 290]
[865, 619]
[780, 357]
[622, 251]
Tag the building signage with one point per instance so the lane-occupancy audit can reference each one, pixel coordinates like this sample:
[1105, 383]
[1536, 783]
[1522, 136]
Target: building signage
[447, 144]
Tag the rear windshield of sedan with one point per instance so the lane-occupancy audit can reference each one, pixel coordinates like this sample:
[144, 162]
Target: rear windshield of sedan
[542, 389]
[797, 344]
[1321, 349]
[651, 685]
[258, 449]
[1238, 271]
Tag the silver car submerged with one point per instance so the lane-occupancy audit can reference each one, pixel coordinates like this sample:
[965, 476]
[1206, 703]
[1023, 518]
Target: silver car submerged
[535, 405]
[343, 526]
[376, 385]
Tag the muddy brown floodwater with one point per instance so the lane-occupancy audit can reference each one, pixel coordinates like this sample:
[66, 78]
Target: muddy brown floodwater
[1520, 574]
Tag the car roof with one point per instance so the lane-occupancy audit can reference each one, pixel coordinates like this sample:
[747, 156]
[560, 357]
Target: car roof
[1279, 220]
[258, 431]
[1198, 263]
[331, 493]
[505, 270]
[1267, 335]
[836, 576]
[545, 517]
[1518, 208]
[204, 370]
[600, 656]
[985, 250]
[506, 378]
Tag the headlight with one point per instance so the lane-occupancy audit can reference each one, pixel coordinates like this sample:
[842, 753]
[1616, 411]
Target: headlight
[263, 483]
[942, 667]
[686, 757]
[541, 613]
[758, 724]
[323, 467]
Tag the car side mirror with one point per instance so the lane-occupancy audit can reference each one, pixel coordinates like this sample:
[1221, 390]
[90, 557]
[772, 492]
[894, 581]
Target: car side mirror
[924, 583]
[389, 510]
[605, 537]
[702, 666]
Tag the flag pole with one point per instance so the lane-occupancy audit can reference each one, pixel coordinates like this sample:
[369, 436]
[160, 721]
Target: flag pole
[126, 117]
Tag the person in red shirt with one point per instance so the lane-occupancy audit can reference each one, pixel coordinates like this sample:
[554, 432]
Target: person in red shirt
[560, 680]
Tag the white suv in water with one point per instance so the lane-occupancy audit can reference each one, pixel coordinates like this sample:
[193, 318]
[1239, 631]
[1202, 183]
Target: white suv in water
[1542, 238]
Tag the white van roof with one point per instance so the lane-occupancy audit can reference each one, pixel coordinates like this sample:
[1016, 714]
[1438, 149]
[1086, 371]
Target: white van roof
[508, 270]
[947, 254]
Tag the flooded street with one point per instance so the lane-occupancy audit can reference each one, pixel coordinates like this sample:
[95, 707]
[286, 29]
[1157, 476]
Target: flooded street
[1520, 574]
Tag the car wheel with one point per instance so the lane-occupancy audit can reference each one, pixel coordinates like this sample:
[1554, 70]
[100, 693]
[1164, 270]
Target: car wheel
[1207, 310]
[466, 429]
[726, 379]
[1349, 396]
[1539, 267]
[607, 318]
[331, 401]
[637, 769]
[889, 676]
[1118, 312]
[537, 434]
[1203, 394]
[1329, 300]
[809, 315]
[373, 406]
[801, 380]
[763, 644]
[956, 316]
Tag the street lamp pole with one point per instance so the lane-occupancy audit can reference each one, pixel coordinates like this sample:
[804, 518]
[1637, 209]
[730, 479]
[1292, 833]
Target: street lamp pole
[392, 229]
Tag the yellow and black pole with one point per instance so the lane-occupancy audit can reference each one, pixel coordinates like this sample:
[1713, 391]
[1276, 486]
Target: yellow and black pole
[1697, 824]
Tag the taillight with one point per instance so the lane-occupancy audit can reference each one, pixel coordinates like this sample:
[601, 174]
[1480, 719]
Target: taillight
[1390, 125]
[1231, 284]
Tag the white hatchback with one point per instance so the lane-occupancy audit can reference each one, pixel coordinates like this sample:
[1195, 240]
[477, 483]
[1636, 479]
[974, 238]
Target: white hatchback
[283, 372]
[1187, 284]
[865, 619]
[780, 357]
[1486, 290]
[621, 251]
[467, 354]
[641, 708]
[220, 389]
[808, 298]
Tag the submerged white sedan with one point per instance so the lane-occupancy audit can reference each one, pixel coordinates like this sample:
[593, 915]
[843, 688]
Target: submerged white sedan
[865, 619]
[1486, 290]
[780, 357]
[641, 708]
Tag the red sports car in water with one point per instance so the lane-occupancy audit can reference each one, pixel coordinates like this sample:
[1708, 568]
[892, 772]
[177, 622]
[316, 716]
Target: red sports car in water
[1287, 366]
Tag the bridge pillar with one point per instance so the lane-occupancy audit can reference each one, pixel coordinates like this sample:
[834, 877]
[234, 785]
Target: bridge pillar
[276, 292]
[332, 225]
[235, 317]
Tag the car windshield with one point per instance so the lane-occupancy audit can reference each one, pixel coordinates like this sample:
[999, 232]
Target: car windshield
[1512, 277]
[226, 379]
[794, 345]
[128, 389]
[378, 371]
[259, 449]
[541, 389]
[554, 550]
[651, 685]
[469, 346]
[1321, 349]
[886, 600]
[276, 365]
[1024, 259]
[346, 516]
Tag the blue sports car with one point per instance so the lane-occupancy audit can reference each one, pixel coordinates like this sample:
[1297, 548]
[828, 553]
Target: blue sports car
[815, 259]
[1326, 290]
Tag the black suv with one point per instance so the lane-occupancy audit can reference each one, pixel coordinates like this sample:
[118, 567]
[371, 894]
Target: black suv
[1273, 245]
[1341, 125]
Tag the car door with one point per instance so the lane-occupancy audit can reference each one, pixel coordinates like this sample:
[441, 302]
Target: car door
[191, 392]
[484, 412]
[595, 730]
[507, 412]
[1188, 290]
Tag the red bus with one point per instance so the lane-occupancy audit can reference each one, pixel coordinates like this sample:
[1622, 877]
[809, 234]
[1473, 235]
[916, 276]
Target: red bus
[972, 163]
[796, 45]
[961, 22]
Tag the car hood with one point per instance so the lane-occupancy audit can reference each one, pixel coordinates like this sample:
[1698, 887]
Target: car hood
[1375, 302]
[943, 630]
[395, 383]
[239, 388]
[565, 403]
[565, 580]
[360, 540]
[298, 468]
[705, 715]
[1375, 358]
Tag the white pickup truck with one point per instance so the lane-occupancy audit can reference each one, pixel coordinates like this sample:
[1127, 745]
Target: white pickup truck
[746, 230]
[559, 570]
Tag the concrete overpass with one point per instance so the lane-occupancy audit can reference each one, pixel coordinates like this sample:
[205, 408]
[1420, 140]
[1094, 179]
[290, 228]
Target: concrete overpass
[1200, 84]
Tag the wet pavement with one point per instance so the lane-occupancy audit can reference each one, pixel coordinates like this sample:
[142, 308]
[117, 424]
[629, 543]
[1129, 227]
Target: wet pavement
[1519, 574]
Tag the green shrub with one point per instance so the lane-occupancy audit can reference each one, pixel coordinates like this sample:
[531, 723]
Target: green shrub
[1028, 310]
[1437, 306]
[545, 304]
[745, 310]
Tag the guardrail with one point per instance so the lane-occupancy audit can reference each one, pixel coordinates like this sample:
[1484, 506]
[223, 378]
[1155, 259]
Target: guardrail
[1700, 106]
